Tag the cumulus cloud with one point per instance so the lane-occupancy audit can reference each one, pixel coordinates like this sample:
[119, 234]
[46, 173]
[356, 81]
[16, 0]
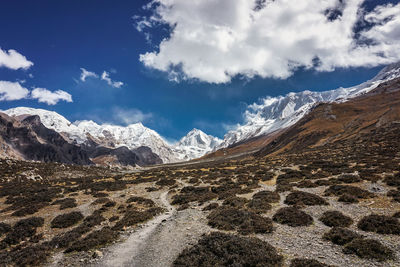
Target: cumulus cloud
[12, 91]
[87, 74]
[215, 40]
[13, 60]
[50, 98]
[105, 76]
[129, 116]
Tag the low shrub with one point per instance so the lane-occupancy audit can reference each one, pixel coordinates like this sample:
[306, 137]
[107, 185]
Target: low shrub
[193, 194]
[152, 189]
[66, 239]
[307, 263]
[95, 219]
[335, 219]
[113, 218]
[100, 200]
[23, 229]
[267, 196]
[165, 182]
[355, 191]
[292, 217]
[29, 209]
[65, 203]
[235, 202]
[380, 224]
[245, 222]
[109, 204]
[211, 206]
[394, 194]
[141, 200]
[340, 236]
[284, 187]
[392, 180]
[368, 248]
[324, 182]
[28, 256]
[306, 184]
[93, 240]
[347, 198]
[4, 228]
[304, 198]
[219, 249]
[133, 217]
[99, 194]
[349, 178]
[258, 205]
[66, 220]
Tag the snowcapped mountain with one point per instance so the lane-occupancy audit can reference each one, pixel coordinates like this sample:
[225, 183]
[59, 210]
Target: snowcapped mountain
[51, 120]
[195, 144]
[275, 113]
[133, 136]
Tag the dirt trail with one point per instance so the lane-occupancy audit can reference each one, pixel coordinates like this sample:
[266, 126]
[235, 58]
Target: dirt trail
[160, 240]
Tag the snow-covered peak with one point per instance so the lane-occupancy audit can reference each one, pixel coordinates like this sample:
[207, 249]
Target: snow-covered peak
[196, 144]
[389, 72]
[275, 113]
[51, 120]
[198, 138]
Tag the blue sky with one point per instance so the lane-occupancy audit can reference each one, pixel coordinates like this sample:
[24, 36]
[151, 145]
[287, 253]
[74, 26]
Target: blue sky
[61, 37]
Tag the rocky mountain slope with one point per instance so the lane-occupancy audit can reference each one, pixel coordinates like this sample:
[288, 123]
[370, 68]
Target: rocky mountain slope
[277, 113]
[25, 137]
[29, 139]
[357, 121]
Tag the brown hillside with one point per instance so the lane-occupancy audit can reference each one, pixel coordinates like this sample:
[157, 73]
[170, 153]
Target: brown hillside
[332, 123]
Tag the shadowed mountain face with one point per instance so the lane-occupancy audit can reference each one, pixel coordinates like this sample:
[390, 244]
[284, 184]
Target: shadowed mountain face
[27, 138]
[32, 141]
[357, 121]
[124, 156]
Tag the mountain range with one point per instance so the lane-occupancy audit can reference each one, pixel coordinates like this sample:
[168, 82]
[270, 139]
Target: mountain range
[88, 134]
[88, 142]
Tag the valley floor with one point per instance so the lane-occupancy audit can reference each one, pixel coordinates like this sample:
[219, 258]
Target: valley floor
[272, 211]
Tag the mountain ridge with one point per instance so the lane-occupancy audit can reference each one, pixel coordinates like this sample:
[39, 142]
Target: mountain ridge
[332, 124]
[276, 113]
[132, 136]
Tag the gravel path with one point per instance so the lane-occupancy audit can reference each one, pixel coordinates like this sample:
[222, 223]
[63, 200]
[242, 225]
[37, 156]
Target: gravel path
[159, 241]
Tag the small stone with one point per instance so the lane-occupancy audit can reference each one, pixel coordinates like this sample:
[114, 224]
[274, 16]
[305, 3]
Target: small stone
[97, 254]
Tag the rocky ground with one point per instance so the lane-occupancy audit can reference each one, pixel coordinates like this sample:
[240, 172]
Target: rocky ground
[266, 211]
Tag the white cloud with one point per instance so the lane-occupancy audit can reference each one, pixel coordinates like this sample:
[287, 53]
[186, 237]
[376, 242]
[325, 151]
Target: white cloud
[13, 60]
[50, 98]
[87, 74]
[12, 91]
[105, 76]
[129, 116]
[215, 40]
